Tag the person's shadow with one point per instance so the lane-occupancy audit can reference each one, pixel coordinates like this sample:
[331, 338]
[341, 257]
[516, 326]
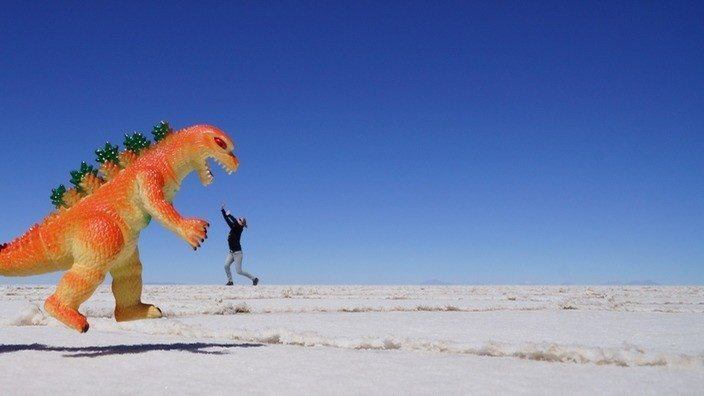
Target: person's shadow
[107, 350]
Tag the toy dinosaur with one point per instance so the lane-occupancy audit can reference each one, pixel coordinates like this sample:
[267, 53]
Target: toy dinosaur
[97, 223]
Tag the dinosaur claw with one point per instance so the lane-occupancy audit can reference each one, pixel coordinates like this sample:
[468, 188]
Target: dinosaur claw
[195, 231]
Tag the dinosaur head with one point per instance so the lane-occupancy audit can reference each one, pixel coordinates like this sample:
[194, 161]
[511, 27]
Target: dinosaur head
[202, 143]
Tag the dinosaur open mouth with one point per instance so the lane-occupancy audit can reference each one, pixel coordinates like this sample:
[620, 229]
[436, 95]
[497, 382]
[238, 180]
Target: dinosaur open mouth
[223, 166]
[206, 175]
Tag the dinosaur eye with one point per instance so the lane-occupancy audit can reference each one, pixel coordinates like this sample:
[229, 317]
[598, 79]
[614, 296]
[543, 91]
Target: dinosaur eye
[221, 143]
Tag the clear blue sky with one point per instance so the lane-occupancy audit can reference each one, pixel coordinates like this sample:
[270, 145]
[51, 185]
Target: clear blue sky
[495, 142]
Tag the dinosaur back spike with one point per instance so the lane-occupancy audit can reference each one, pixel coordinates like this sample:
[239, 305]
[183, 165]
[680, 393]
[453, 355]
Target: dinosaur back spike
[57, 196]
[78, 175]
[107, 154]
[136, 142]
[161, 130]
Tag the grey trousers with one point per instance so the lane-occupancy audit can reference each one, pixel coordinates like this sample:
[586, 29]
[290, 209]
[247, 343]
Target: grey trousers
[235, 257]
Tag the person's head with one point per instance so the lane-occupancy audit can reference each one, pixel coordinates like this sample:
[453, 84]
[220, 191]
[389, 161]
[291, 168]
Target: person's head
[243, 222]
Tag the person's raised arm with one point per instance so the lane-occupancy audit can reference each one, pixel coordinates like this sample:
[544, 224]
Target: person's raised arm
[227, 216]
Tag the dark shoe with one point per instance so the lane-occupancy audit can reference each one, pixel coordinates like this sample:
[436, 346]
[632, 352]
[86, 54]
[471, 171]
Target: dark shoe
[255, 282]
[229, 283]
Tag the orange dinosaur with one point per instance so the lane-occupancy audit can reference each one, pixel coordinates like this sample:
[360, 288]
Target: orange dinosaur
[97, 225]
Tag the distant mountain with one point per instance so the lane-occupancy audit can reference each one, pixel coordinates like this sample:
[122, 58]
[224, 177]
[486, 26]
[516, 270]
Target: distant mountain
[434, 282]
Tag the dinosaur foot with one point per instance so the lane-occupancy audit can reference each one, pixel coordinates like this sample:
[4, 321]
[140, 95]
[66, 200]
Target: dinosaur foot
[137, 312]
[66, 315]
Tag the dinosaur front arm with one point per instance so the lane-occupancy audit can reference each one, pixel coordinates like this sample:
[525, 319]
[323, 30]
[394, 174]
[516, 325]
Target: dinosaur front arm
[151, 190]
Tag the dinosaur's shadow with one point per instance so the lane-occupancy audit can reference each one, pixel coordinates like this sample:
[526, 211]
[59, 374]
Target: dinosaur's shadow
[107, 350]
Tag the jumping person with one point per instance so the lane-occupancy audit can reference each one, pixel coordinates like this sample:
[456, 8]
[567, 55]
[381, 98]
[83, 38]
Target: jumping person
[237, 225]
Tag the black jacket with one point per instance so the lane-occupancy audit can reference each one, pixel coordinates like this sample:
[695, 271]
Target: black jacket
[235, 232]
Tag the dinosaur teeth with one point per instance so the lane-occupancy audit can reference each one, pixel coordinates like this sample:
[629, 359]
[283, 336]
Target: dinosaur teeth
[205, 174]
[222, 165]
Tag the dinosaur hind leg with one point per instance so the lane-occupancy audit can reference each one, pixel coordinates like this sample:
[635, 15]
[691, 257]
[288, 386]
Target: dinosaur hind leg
[127, 289]
[95, 247]
[75, 287]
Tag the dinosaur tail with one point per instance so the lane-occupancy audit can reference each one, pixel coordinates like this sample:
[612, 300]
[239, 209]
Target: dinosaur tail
[33, 253]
